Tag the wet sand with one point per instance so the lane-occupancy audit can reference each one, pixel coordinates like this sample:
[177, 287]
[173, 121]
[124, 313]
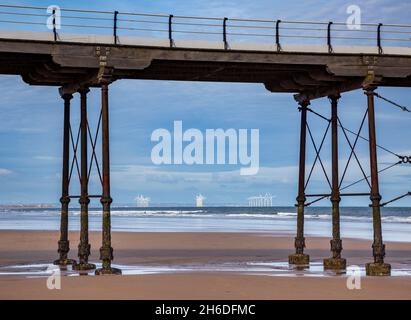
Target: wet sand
[197, 250]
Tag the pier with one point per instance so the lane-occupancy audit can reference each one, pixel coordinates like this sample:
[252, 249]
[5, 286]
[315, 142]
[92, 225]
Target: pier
[325, 64]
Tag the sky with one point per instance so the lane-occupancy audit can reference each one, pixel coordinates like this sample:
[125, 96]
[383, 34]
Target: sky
[31, 122]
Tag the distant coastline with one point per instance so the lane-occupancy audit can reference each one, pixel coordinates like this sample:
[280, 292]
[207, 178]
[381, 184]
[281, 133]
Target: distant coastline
[27, 206]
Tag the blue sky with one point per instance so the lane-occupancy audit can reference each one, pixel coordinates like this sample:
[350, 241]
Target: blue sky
[31, 121]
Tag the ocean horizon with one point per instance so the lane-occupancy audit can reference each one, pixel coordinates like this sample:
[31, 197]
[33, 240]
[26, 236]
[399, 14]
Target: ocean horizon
[356, 222]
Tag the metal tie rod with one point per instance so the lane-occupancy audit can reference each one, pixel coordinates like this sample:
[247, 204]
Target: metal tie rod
[396, 199]
[392, 102]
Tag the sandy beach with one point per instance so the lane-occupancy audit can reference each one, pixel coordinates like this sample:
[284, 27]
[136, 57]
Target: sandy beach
[198, 250]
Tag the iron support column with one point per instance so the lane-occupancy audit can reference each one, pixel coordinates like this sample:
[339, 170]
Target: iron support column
[63, 244]
[336, 262]
[84, 246]
[106, 251]
[378, 267]
[299, 258]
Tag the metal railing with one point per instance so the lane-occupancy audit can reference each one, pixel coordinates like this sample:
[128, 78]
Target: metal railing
[227, 30]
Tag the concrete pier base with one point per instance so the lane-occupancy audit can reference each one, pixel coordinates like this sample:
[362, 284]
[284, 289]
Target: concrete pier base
[64, 262]
[84, 266]
[378, 269]
[108, 271]
[335, 264]
[299, 259]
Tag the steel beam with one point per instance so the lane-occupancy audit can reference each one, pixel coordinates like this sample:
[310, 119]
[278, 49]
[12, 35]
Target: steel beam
[106, 251]
[64, 244]
[299, 258]
[378, 267]
[335, 262]
[84, 246]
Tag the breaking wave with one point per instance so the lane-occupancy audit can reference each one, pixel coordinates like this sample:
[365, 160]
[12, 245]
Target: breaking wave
[217, 213]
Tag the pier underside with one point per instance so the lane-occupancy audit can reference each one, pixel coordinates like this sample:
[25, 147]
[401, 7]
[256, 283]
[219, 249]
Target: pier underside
[312, 74]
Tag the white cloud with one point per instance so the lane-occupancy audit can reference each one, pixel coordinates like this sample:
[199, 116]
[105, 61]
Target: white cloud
[128, 176]
[161, 174]
[47, 158]
[5, 172]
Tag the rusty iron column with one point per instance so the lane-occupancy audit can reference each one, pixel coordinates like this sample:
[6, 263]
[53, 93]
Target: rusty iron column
[64, 244]
[378, 267]
[106, 251]
[335, 262]
[84, 246]
[299, 258]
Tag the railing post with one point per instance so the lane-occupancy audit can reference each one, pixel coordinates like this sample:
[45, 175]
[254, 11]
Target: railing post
[54, 25]
[330, 48]
[299, 258]
[380, 51]
[115, 27]
[277, 35]
[170, 30]
[378, 267]
[225, 33]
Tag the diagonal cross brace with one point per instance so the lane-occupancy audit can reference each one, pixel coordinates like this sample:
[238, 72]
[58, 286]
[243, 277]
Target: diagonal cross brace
[93, 146]
[318, 155]
[353, 150]
[74, 147]
[352, 146]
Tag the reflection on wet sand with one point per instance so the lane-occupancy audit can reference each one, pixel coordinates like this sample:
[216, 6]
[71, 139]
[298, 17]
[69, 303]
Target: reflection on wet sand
[263, 268]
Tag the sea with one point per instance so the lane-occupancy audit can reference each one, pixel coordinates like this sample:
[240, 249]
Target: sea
[356, 222]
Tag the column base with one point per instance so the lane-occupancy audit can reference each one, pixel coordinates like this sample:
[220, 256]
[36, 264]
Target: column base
[335, 264]
[84, 266]
[378, 269]
[107, 271]
[64, 262]
[299, 259]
